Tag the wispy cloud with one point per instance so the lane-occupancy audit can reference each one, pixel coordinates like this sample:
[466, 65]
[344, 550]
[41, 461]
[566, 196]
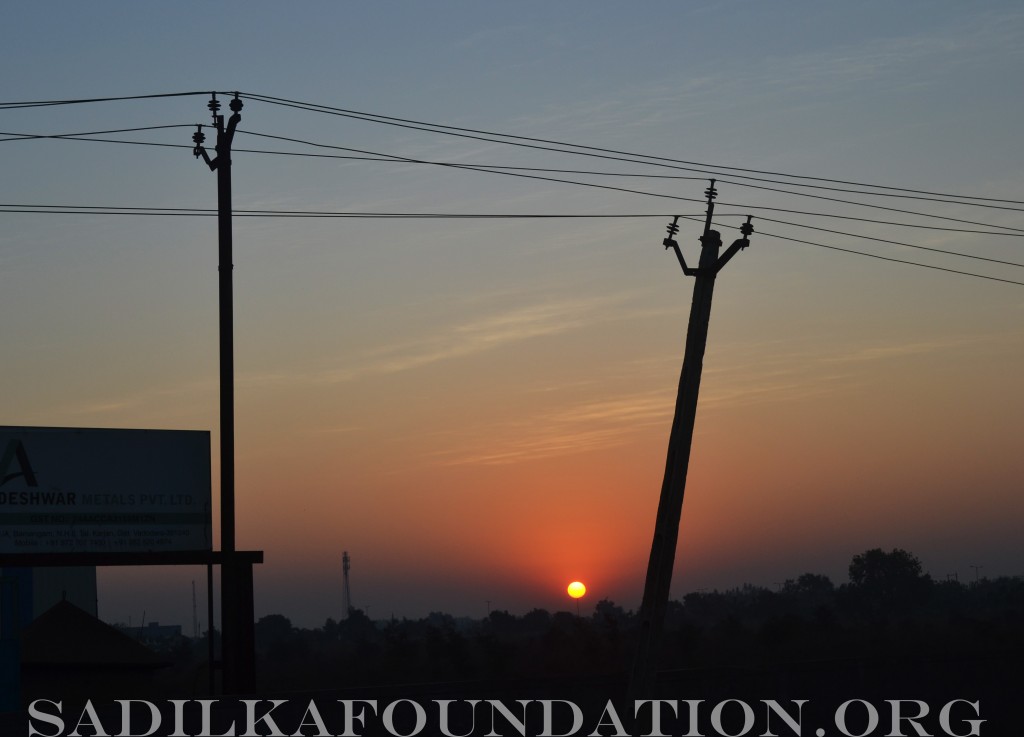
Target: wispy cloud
[925, 57]
[577, 428]
[182, 395]
[467, 338]
[898, 350]
[334, 430]
[755, 373]
[885, 60]
[777, 373]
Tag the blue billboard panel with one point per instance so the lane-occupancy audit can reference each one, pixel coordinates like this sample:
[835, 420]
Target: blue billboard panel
[75, 490]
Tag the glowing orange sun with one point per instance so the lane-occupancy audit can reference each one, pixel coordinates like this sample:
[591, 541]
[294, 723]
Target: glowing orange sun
[576, 589]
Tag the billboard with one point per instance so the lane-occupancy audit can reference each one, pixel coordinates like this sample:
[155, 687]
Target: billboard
[78, 490]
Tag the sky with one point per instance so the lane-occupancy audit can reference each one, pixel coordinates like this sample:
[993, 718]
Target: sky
[477, 410]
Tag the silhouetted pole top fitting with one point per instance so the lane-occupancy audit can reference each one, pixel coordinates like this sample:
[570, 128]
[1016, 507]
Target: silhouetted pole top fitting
[224, 137]
[709, 238]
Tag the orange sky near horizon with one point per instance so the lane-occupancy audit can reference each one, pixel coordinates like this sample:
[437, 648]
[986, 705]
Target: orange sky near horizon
[499, 452]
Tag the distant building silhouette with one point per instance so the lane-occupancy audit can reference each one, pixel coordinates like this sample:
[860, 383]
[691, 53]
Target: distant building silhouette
[37, 589]
[159, 637]
[68, 651]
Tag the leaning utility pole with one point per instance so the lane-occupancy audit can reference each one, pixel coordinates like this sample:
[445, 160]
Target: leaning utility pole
[666, 528]
[236, 587]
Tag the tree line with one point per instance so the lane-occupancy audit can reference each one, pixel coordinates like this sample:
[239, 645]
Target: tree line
[888, 608]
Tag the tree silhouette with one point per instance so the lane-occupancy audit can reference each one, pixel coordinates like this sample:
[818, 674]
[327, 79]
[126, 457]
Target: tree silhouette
[888, 582]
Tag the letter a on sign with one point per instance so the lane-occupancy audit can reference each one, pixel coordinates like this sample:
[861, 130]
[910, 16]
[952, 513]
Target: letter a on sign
[16, 452]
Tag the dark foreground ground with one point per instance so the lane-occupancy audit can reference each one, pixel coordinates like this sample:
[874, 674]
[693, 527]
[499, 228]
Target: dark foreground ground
[891, 652]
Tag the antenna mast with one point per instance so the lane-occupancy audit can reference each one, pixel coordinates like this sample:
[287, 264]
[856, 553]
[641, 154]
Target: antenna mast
[195, 613]
[346, 564]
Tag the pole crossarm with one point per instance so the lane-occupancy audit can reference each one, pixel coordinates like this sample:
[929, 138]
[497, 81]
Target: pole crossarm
[738, 245]
[224, 135]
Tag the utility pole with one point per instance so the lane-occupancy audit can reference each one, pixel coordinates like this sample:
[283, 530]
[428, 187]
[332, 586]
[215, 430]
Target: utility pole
[222, 165]
[666, 528]
[236, 586]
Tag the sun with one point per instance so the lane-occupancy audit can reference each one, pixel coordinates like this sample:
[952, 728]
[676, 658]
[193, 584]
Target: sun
[576, 589]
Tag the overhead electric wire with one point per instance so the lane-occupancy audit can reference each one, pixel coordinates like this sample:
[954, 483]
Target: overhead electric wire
[79, 136]
[942, 199]
[894, 260]
[398, 159]
[375, 156]
[83, 137]
[500, 169]
[514, 171]
[1017, 232]
[874, 206]
[602, 152]
[81, 101]
[868, 255]
[716, 170]
[206, 212]
[450, 130]
[461, 166]
[891, 242]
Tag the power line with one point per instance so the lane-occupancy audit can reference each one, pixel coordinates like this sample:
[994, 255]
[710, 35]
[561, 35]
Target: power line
[943, 199]
[602, 152]
[398, 159]
[480, 169]
[79, 136]
[206, 212]
[587, 172]
[451, 130]
[496, 170]
[893, 260]
[937, 197]
[202, 212]
[1018, 232]
[177, 211]
[868, 255]
[891, 242]
[81, 101]
[874, 206]
[500, 169]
